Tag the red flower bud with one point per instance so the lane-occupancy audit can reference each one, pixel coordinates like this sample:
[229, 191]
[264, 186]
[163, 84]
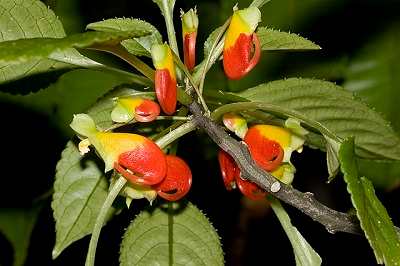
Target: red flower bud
[165, 78]
[190, 23]
[142, 110]
[178, 180]
[229, 169]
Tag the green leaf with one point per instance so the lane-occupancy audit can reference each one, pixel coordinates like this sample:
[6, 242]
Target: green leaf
[80, 189]
[304, 254]
[74, 92]
[374, 219]
[179, 235]
[140, 46]
[332, 157]
[276, 40]
[32, 19]
[25, 50]
[17, 226]
[334, 108]
[259, 3]
[210, 40]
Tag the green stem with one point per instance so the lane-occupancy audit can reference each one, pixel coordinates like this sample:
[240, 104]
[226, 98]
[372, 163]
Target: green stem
[121, 52]
[175, 118]
[213, 54]
[119, 184]
[237, 107]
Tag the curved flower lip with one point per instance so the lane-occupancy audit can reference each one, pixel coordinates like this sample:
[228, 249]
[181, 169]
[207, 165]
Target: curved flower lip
[229, 169]
[165, 77]
[140, 109]
[166, 91]
[178, 180]
[266, 152]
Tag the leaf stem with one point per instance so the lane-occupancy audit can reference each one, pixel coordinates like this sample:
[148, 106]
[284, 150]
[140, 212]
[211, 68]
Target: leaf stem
[119, 184]
[175, 134]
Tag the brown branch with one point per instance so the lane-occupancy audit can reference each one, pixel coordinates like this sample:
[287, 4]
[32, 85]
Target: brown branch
[333, 221]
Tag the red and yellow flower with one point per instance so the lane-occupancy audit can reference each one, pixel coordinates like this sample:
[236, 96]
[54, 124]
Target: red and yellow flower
[165, 77]
[134, 108]
[235, 123]
[190, 23]
[242, 47]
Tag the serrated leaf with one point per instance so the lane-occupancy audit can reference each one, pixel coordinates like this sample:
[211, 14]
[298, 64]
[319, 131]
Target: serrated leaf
[277, 40]
[17, 226]
[304, 254]
[374, 219]
[25, 50]
[181, 236]
[140, 46]
[210, 40]
[80, 189]
[26, 19]
[336, 109]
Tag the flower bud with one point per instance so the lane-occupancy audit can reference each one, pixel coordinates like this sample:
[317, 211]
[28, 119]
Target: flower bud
[190, 23]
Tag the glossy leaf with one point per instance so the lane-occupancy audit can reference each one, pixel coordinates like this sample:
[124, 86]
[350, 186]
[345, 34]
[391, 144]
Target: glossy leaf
[26, 50]
[304, 254]
[32, 19]
[278, 40]
[140, 46]
[374, 219]
[17, 226]
[80, 189]
[179, 235]
[336, 109]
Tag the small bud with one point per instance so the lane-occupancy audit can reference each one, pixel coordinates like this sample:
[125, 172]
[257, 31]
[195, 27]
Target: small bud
[190, 23]
[139, 109]
[235, 123]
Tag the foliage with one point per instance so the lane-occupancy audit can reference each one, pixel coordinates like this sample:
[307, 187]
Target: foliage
[35, 53]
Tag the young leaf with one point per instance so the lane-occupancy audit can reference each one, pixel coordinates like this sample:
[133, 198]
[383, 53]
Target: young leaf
[178, 235]
[32, 19]
[336, 109]
[17, 226]
[140, 46]
[26, 50]
[210, 40]
[332, 157]
[304, 254]
[374, 219]
[277, 40]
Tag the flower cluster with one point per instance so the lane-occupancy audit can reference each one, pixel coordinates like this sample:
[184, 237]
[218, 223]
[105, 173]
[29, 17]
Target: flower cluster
[271, 148]
[138, 159]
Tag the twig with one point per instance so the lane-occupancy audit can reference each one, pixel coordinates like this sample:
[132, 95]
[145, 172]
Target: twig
[333, 221]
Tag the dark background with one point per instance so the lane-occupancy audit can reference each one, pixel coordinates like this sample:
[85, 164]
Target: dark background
[251, 235]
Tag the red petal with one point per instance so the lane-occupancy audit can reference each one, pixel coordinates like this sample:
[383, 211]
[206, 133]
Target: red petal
[166, 93]
[229, 169]
[237, 62]
[250, 190]
[147, 163]
[268, 154]
[189, 50]
[178, 180]
[147, 111]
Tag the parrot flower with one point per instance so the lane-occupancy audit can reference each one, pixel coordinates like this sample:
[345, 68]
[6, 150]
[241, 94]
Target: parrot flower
[229, 169]
[178, 180]
[235, 123]
[139, 109]
[239, 56]
[135, 157]
[190, 23]
[165, 77]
